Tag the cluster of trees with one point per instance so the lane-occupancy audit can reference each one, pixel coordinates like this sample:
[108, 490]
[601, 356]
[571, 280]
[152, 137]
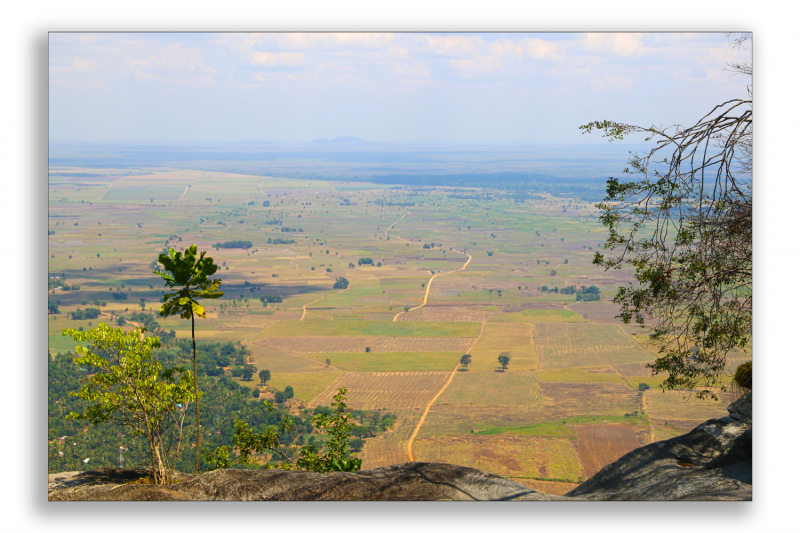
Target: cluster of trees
[588, 294]
[365, 261]
[341, 283]
[287, 229]
[234, 244]
[89, 313]
[271, 300]
[119, 295]
[279, 240]
[274, 222]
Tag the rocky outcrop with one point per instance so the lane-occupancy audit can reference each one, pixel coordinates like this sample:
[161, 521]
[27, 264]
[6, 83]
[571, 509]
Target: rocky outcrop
[713, 462]
[407, 481]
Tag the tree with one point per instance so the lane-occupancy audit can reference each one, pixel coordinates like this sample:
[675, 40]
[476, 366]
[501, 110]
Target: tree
[248, 371]
[684, 223]
[466, 359]
[341, 283]
[189, 275]
[504, 359]
[52, 308]
[369, 349]
[288, 392]
[264, 376]
[327, 362]
[130, 389]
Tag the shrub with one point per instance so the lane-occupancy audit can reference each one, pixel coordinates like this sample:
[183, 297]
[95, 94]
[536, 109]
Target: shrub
[744, 375]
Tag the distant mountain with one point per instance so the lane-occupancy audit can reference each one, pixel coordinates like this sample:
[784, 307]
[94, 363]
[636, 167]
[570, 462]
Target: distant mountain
[341, 142]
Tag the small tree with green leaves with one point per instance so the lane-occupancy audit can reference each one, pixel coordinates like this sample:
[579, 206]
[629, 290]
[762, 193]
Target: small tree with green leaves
[189, 276]
[130, 389]
[334, 455]
[264, 376]
[504, 358]
[466, 359]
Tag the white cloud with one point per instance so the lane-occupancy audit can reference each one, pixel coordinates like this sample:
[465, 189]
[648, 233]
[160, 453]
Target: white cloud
[453, 45]
[481, 64]
[414, 70]
[621, 44]
[539, 49]
[301, 41]
[271, 59]
[78, 65]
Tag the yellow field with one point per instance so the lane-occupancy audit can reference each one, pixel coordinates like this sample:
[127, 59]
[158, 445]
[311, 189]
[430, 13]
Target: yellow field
[306, 385]
[386, 390]
[492, 388]
[505, 455]
[593, 374]
[376, 361]
[324, 345]
[499, 337]
[576, 345]
[682, 405]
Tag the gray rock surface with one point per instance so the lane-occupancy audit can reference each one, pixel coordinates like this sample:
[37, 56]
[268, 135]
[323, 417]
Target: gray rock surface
[406, 481]
[712, 462]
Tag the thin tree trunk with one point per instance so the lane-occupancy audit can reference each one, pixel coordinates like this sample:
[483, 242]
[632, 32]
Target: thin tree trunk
[196, 404]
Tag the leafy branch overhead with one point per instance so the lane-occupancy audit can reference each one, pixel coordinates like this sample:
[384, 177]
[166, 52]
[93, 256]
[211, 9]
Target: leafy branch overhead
[685, 226]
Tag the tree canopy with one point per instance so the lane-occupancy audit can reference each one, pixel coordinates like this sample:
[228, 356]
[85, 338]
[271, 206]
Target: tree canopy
[684, 223]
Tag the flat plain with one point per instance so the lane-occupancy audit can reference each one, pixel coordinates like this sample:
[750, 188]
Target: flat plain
[568, 402]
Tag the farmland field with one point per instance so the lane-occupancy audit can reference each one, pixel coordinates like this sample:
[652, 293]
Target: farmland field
[568, 402]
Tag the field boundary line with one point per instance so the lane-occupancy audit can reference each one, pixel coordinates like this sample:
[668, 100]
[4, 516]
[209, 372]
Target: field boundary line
[318, 299]
[413, 436]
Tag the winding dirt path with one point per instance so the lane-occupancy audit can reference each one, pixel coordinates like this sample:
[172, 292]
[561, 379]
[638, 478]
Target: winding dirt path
[410, 444]
[186, 190]
[428, 286]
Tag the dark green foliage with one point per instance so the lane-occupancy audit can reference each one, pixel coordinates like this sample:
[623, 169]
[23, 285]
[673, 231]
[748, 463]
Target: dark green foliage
[288, 392]
[265, 203]
[248, 371]
[234, 244]
[365, 261]
[744, 375]
[264, 376]
[120, 295]
[86, 314]
[504, 358]
[588, 294]
[466, 359]
[333, 455]
[279, 240]
[52, 308]
[341, 283]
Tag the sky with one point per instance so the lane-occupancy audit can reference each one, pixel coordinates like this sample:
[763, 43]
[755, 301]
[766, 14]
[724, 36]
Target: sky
[487, 88]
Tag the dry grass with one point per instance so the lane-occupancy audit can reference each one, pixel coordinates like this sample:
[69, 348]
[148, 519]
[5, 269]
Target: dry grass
[324, 345]
[576, 345]
[386, 390]
[505, 455]
[377, 361]
[682, 405]
[306, 385]
[593, 374]
[492, 388]
[498, 338]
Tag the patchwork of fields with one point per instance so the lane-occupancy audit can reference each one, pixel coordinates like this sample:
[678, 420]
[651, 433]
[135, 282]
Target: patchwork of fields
[568, 402]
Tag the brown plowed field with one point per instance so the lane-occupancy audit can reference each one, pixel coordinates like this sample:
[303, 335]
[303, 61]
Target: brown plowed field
[390, 448]
[359, 344]
[602, 444]
[386, 390]
[578, 399]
